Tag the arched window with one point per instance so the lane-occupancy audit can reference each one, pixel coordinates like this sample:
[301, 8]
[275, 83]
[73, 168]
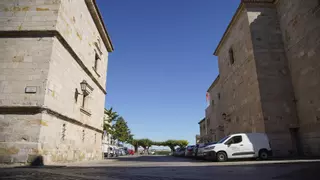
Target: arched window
[231, 55]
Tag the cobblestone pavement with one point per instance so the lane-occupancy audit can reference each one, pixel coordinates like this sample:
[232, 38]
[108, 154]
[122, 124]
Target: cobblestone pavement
[169, 168]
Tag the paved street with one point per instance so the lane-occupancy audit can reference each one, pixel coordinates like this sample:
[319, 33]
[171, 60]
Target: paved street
[170, 168]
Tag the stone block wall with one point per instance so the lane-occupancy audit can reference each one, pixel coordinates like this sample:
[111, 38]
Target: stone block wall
[273, 84]
[60, 95]
[19, 137]
[213, 112]
[276, 91]
[239, 88]
[300, 27]
[24, 62]
[62, 141]
[21, 15]
[71, 23]
[45, 48]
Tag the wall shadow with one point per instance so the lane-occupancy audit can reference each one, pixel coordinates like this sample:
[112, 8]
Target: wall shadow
[154, 159]
[295, 171]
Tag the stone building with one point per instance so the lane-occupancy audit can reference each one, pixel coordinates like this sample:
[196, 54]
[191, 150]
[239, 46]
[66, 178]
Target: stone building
[197, 138]
[53, 66]
[214, 123]
[270, 74]
[203, 137]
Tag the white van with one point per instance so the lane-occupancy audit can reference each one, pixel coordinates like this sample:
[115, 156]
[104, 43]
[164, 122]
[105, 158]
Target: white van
[242, 145]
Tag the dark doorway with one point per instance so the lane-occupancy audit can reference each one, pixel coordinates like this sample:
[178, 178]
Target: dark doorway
[296, 143]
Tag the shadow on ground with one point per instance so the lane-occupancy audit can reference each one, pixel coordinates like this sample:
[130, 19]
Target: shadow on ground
[295, 171]
[155, 159]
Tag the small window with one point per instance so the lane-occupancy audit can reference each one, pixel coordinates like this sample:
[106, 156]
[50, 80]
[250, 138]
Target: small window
[95, 138]
[63, 132]
[231, 55]
[83, 135]
[219, 96]
[84, 101]
[96, 61]
[98, 45]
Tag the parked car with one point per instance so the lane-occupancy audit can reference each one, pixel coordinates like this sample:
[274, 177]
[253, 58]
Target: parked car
[189, 151]
[111, 151]
[125, 149]
[131, 152]
[152, 152]
[242, 145]
[198, 149]
[179, 152]
[116, 152]
[122, 152]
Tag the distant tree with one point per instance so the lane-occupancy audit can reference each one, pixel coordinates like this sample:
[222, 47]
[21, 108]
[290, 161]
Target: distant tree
[145, 143]
[182, 143]
[135, 144]
[171, 144]
[111, 117]
[158, 143]
[121, 130]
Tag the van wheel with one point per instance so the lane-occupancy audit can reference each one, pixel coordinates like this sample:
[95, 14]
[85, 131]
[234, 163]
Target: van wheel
[263, 155]
[222, 157]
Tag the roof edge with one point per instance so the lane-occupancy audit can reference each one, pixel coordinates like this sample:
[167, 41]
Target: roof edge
[214, 83]
[98, 20]
[235, 17]
[201, 120]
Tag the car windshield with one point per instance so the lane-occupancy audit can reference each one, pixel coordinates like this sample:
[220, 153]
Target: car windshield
[202, 145]
[190, 147]
[222, 140]
[210, 143]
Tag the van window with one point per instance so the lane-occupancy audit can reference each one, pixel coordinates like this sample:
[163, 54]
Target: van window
[234, 140]
[237, 139]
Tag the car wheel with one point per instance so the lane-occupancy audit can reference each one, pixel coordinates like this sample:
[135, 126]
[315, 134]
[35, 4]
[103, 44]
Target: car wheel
[222, 157]
[263, 155]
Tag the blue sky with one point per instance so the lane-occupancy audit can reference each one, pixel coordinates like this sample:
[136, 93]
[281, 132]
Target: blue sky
[163, 62]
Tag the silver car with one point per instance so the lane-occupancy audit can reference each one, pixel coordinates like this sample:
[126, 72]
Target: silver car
[199, 151]
[189, 151]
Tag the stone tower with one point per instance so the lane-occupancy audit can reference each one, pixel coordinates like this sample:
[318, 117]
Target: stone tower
[269, 74]
[53, 67]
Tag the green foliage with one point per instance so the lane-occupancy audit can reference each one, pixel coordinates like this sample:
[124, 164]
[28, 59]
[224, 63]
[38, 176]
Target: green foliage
[157, 143]
[116, 126]
[121, 130]
[145, 143]
[173, 143]
[135, 144]
[111, 117]
[182, 143]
